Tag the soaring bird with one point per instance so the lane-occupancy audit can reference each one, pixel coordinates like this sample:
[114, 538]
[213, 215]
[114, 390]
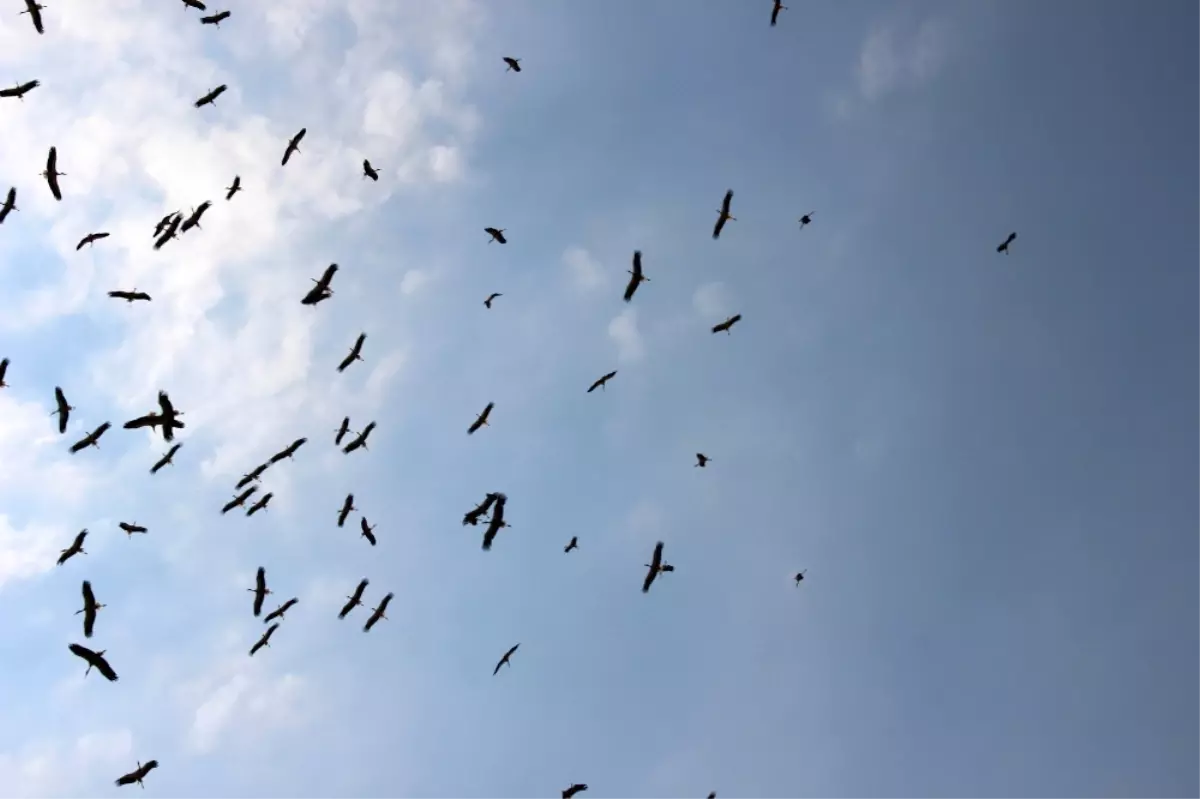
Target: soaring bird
[482, 419]
[724, 214]
[636, 276]
[321, 290]
[90, 606]
[278, 612]
[265, 640]
[728, 323]
[799, 576]
[355, 599]
[21, 89]
[92, 439]
[259, 590]
[806, 220]
[260, 505]
[573, 545]
[52, 174]
[211, 97]
[288, 451]
[359, 441]
[76, 547]
[378, 613]
[574, 789]
[1004, 247]
[655, 566]
[94, 660]
[497, 234]
[138, 774]
[165, 460]
[193, 221]
[488, 302]
[88, 239]
[9, 205]
[473, 516]
[215, 19]
[341, 432]
[369, 171]
[514, 64]
[62, 410]
[130, 296]
[170, 231]
[154, 421]
[251, 476]
[496, 522]
[239, 500]
[3, 371]
[233, 188]
[702, 459]
[347, 507]
[293, 146]
[602, 381]
[368, 530]
[779, 6]
[355, 353]
[34, 10]
[196, 4]
[505, 659]
[131, 529]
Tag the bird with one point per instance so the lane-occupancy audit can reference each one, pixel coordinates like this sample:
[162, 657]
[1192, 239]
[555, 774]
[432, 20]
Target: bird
[278, 612]
[90, 238]
[193, 221]
[488, 301]
[239, 500]
[130, 529]
[573, 545]
[21, 89]
[602, 381]
[505, 659]
[251, 476]
[293, 146]
[196, 4]
[129, 296]
[52, 174]
[92, 439]
[3, 371]
[347, 506]
[9, 205]
[234, 187]
[728, 323]
[497, 234]
[341, 432]
[155, 420]
[724, 214]
[355, 599]
[34, 10]
[702, 460]
[482, 419]
[378, 613]
[321, 290]
[90, 606]
[138, 774]
[62, 410]
[94, 660]
[712, 795]
[260, 505]
[76, 547]
[215, 19]
[473, 516]
[514, 64]
[806, 219]
[368, 530]
[170, 231]
[1004, 247]
[165, 460]
[655, 566]
[355, 353]
[259, 590]
[289, 451]
[496, 522]
[574, 789]
[369, 171]
[211, 97]
[799, 576]
[636, 276]
[162, 223]
[265, 640]
[779, 6]
[360, 441]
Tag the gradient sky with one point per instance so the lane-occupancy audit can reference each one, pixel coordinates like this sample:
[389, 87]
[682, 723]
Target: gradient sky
[986, 463]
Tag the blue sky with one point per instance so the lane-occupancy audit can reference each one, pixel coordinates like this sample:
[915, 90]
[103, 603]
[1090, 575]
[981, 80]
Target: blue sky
[986, 463]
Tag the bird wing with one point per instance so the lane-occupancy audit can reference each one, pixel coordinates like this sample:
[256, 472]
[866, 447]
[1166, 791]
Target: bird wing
[89, 598]
[127, 779]
[717, 227]
[509, 653]
[89, 620]
[81, 444]
[725, 203]
[631, 287]
[499, 663]
[349, 606]
[102, 666]
[345, 364]
[650, 575]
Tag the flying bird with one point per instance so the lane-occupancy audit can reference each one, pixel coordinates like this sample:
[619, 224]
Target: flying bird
[153, 421]
[90, 606]
[21, 89]
[636, 276]
[239, 500]
[90, 238]
[355, 353]
[76, 548]
[655, 566]
[162, 223]
[514, 64]
[165, 460]
[799, 576]
[1004, 247]
[94, 660]
[360, 441]
[347, 506]
[806, 220]
[130, 529]
[473, 516]
[215, 19]
[602, 381]
[368, 530]
[321, 290]
[482, 419]
[211, 97]
[497, 234]
[62, 410]
[355, 599]
[234, 187]
[9, 205]
[341, 432]
[265, 640]
[34, 10]
[728, 323]
[702, 459]
[129, 296]
[170, 231]
[259, 590]
[138, 774]
[251, 476]
[725, 216]
[278, 612]
[496, 522]
[92, 439]
[505, 659]
[52, 174]
[196, 4]
[574, 789]
[573, 545]
[378, 613]
[293, 146]
[289, 451]
[492, 296]
[193, 221]
[260, 505]
[369, 171]
[779, 6]
[3, 371]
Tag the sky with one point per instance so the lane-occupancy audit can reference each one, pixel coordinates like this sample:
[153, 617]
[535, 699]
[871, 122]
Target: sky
[985, 463]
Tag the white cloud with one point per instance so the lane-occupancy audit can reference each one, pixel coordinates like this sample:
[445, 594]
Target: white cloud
[623, 330]
[892, 60]
[585, 272]
[711, 301]
[413, 281]
[240, 698]
[26, 552]
[44, 767]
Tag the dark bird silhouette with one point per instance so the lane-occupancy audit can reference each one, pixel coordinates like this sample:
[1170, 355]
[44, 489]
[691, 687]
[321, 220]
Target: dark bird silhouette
[368, 530]
[806, 220]
[76, 548]
[482, 419]
[378, 613]
[52, 174]
[90, 607]
[259, 590]
[251, 476]
[138, 774]
[34, 10]
[215, 19]
[347, 507]
[728, 323]
[265, 640]
[88, 239]
[154, 421]
[724, 215]
[260, 505]
[129, 296]
[702, 459]
[574, 789]
[165, 460]
[573, 545]
[239, 500]
[355, 353]
[655, 566]
[94, 660]
[800, 576]
[3, 371]
[341, 432]
[602, 381]
[488, 302]
[496, 522]
[293, 146]
[62, 409]
[779, 6]
[131, 529]
[9, 205]
[21, 89]
[1004, 247]
[505, 659]
[169, 232]
[497, 234]
[712, 795]
[162, 223]
[359, 441]
[473, 516]
[196, 4]
[321, 291]
[514, 64]
[278, 612]
[355, 599]
[234, 187]
[211, 97]
[193, 221]
[636, 276]
[369, 171]
[288, 452]
[92, 439]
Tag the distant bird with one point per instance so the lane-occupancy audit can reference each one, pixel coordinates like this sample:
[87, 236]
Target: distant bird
[1004, 247]
[251, 476]
[259, 590]
[355, 353]
[165, 460]
[92, 439]
[215, 19]
[34, 10]
[574, 789]
[347, 507]
[94, 660]
[293, 146]
[724, 214]
[196, 4]
[573, 545]
[260, 505]
[341, 432]
[321, 290]
[636, 276]
[806, 219]
[278, 612]
[655, 566]
[369, 171]
[21, 89]
[170, 231]
[482, 419]
[514, 64]
[800, 576]
[702, 459]
[131, 529]
[359, 441]
[288, 451]
[496, 522]
[497, 234]
[492, 296]
[3, 371]
[473, 516]
[90, 607]
[62, 410]
[52, 174]
[779, 6]
[368, 530]
[9, 205]
[728, 323]
[239, 500]
[378, 613]
[76, 547]
[234, 187]
[129, 296]
[193, 221]
[355, 599]
[505, 659]
[162, 223]
[90, 238]
[138, 774]
[211, 97]
[265, 640]
[602, 381]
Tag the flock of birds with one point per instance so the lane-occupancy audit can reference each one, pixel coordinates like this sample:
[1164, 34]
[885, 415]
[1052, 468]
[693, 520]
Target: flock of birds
[165, 418]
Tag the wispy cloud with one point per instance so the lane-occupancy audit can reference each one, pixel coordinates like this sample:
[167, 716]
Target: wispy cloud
[895, 58]
[623, 330]
[585, 272]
